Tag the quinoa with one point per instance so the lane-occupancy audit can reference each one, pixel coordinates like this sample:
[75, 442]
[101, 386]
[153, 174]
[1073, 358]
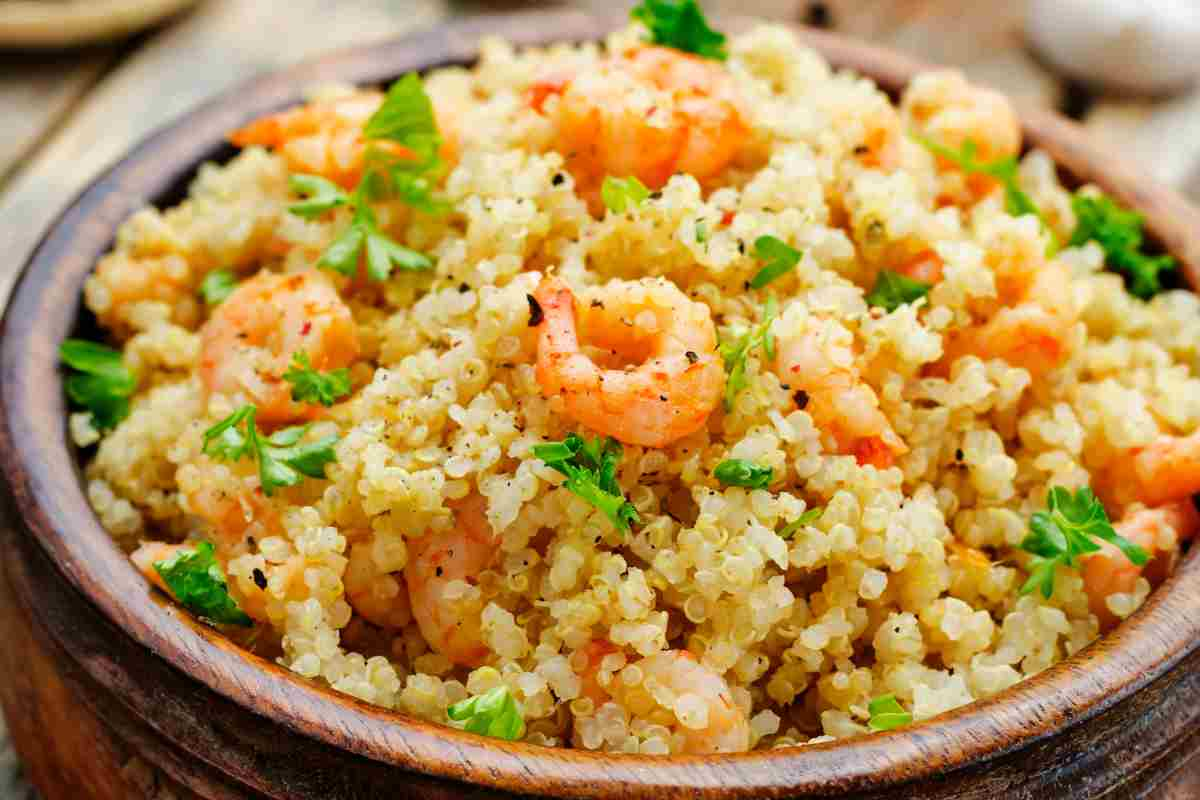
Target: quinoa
[906, 584]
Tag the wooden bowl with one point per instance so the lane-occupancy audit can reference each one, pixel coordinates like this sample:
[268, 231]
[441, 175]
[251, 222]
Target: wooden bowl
[112, 692]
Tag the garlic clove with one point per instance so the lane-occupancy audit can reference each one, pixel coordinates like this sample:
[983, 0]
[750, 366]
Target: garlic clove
[1141, 46]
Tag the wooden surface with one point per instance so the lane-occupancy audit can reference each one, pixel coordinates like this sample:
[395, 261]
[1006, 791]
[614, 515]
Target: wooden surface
[1119, 719]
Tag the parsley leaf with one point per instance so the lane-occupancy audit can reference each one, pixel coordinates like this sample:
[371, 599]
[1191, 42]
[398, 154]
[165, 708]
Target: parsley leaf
[680, 24]
[405, 118]
[495, 713]
[739, 472]
[807, 518]
[218, 285]
[893, 290]
[620, 194]
[735, 352]
[312, 386]
[1005, 170]
[591, 469]
[102, 385]
[887, 714]
[1066, 530]
[282, 459]
[781, 259]
[197, 582]
[1119, 232]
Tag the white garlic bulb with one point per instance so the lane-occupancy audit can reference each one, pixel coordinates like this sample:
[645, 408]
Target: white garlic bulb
[1131, 45]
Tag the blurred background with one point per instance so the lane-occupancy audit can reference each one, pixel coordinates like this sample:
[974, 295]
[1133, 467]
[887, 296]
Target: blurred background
[81, 81]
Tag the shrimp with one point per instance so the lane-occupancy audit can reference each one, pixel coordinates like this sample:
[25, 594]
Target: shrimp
[648, 113]
[1158, 531]
[925, 266]
[325, 137]
[944, 107]
[377, 597]
[440, 565]
[678, 378]
[705, 717]
[1034, 333]
[1164, 471]
[827, 385]
[249, 342]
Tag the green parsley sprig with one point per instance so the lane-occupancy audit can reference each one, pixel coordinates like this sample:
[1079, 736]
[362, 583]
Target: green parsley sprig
[217, 286]
[405, 118]
[197, 582]
[621, 194]
[1118, 231]
[1066, 530]
[807, 518]
[495, 713]
[680, 24]
[734, 352]
[102, 383]
[740, 472]
[590, 467]
[1005, 170]
[282, 459]
[781, 259]
[887, 714]
[893, 290]
[313, 386]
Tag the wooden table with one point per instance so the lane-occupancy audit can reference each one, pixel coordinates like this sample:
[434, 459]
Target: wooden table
[65, 116]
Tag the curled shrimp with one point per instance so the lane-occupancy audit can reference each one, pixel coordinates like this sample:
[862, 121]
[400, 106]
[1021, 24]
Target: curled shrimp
[440, 566]
[826, 383]
[1034, 333]
[650, 113]
[376, 597]
[678, 377]
[325, 137]
[249, 342]
[703, 717]
[1158, 531]
[1164, 471]
[944, 107]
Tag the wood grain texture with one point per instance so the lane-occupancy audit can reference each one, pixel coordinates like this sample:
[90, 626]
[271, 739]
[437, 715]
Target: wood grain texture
[1118, 719]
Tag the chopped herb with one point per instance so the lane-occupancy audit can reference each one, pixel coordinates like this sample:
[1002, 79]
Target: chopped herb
[807, 518]
[102, 385]
[1119, 232]
[701, 231]
[197, 582]
[739, 472]
[893, 290]
[495, 713]
[591, 470]
[680, 24]
[536, 315]
[1066, 530]
[780, 259]
[1005, 170]
[620, 194]
[735, 352]
[218, 285]
[405, 118]
[282, 459]
[312, 386]
[887, 714]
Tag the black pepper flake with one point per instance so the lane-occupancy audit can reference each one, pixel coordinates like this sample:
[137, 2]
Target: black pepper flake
[656, 195]
[861, 150]
[536, 315]
[463, 288]
[801, 398]
[250, 541]
[662, 397]
[260, 580]
[958, 454]
[558, 179]
[817, 15]
[691, 357]
[741, 247]
[597, 304]
[438, 571]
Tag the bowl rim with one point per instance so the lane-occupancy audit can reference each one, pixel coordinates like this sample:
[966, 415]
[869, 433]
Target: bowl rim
[43, 474]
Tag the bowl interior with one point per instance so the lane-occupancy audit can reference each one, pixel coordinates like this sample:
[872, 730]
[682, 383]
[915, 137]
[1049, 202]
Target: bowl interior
[43, 471]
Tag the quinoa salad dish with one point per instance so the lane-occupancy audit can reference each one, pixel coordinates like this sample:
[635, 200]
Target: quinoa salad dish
[672, 394]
